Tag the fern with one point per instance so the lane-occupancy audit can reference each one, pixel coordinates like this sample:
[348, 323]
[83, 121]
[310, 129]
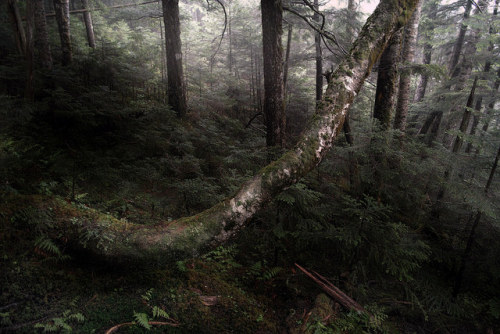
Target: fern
[142, 320]
[61, 324]
[160, 313]
[47, 245]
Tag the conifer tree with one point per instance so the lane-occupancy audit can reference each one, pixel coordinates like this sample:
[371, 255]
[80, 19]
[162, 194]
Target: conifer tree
[61, 8]
[274, 111]
[176, 90]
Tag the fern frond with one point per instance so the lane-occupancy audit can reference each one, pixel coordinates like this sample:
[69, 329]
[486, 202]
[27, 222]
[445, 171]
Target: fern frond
[142, 320]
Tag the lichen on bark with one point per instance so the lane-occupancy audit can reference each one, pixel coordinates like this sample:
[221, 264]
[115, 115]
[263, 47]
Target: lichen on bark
[113, 238]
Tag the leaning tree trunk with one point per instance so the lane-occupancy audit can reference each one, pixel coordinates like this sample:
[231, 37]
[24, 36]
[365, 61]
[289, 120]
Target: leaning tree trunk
[175, 79]
[42, 35]
[61, 8]
[274, 111]
[112, 238]
[385, 95]
[87, 18]
[408, 55]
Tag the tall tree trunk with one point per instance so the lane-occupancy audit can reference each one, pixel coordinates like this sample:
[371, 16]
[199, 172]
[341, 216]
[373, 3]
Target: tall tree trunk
[17, 25]
[408, 56]
[42, 35]
[61, 8]
[459, 43]
[176, 89]
[287, 60]
[319, 57]
[29, 53]
[87, 18]
[424, 78]
[385, 95]
[428, 31]
[470, 240]
[464, 124]
[230, 38]
[462, 71]
[351, 8]
[119, 239]
[274, 111]
[487, 68]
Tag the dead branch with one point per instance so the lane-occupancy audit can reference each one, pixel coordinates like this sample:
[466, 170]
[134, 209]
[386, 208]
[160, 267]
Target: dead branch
[333, 291]
[153, 323]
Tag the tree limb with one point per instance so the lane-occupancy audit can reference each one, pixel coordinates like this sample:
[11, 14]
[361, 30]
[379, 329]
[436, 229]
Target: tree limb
[325, 34]
[108, 237]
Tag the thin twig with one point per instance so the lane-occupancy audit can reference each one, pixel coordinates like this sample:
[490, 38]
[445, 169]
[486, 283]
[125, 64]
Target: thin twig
[325, 34]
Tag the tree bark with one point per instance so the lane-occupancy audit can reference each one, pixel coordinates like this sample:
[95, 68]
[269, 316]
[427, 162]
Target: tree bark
[470, 240]
[274, 111]
[487, 68]
[42, 35]
[17, 25]
[287, 59]
[408, 56]
[176, 89]
[464, 124]
[29, 53]
[87, 18]
[112, 238]
[61, 8]
[459, 43]
[319, 57]
[385, 94]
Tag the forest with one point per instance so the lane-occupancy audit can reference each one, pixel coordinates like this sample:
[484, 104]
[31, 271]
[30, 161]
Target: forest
[244, 166]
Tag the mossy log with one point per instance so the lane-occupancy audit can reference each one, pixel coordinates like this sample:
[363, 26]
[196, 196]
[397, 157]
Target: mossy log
[109, 237]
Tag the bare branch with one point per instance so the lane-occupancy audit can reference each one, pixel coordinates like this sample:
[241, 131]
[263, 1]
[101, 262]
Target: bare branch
[223, 31]
[325, 34]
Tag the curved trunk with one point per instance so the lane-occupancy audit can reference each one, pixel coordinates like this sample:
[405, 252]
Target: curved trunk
[114, 238]
[272, 50]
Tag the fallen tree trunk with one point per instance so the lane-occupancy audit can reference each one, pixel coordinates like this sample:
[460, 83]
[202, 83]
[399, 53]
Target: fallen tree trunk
[106, 236]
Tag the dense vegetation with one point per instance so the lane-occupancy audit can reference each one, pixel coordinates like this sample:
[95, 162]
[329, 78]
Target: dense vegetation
[404, 221]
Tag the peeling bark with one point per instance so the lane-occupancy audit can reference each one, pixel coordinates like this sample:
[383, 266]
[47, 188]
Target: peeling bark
[112, 238]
